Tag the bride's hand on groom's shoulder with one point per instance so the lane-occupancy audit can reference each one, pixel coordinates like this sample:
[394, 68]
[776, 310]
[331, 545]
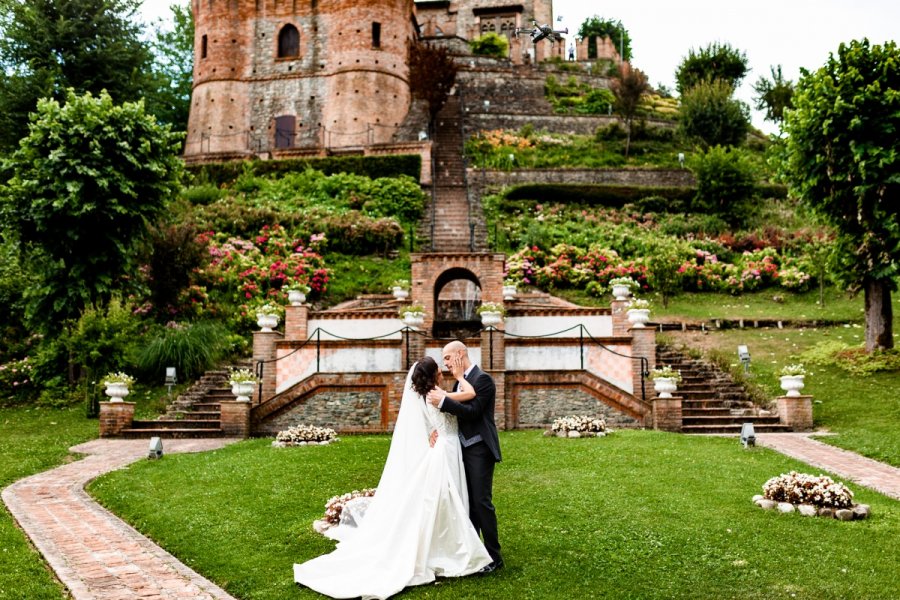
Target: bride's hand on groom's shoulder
[435, 396]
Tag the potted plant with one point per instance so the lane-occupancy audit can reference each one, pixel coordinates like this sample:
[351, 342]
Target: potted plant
[622, 287]
[665, 380]
[510, 287]
[413, 315]
[638, 312]
[117, 385]
[792, 379]
[242, 383]
[297, 294]
[400, 289]
[491, 313]
[267, 316]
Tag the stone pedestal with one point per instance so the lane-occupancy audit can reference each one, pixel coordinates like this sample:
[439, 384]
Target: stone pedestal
[264, 349]
[235, 418]
[667, 414]
[795, 412]
[114, 417]
[296, 321]
[619, 317]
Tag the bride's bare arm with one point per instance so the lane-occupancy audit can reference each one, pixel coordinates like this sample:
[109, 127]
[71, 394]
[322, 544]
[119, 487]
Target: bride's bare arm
[465, 391]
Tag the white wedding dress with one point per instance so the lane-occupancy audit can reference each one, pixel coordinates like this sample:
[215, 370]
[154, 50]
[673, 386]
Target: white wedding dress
[417, 525]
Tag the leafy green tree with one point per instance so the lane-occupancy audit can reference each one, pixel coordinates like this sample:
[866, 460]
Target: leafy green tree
[628, 88]
[490, 44]
[843, 158]
[169, 96]
[85, 182]
[726, 183]
[716, 62]
[48, 46]
[774, 95]
[711, 116]
[595, 27]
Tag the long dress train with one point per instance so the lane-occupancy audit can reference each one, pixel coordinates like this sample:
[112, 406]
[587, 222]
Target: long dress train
[417, 525]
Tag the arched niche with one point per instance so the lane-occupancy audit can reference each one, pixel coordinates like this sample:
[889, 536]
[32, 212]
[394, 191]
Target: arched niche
[457, 295]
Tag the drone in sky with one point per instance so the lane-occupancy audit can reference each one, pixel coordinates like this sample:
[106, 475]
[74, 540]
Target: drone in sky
[539, 32]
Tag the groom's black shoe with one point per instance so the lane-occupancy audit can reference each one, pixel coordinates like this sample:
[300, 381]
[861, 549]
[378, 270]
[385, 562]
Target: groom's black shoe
[494, 566]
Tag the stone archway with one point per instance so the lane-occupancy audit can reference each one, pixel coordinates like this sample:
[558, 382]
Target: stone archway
[457, 294]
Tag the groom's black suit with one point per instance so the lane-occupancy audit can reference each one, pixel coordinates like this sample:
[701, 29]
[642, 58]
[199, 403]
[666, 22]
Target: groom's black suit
[481, 451]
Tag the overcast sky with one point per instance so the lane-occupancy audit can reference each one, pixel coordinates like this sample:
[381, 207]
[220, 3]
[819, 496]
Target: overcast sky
[792, 33]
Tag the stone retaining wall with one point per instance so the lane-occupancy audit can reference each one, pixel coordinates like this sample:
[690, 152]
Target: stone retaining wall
[340, 410]
[539, 407]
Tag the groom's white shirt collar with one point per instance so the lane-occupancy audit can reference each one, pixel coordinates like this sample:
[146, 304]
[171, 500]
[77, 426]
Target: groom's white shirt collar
[467, 371]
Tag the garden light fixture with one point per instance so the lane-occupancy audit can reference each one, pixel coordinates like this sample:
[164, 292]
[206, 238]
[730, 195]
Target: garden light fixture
[748, 436]
[156, 449]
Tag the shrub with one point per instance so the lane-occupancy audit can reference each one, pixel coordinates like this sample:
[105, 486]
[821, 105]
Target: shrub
[191, 349]
[800, 488]
[490, 44]
[711, 116]
[369, 166]
[203, 193]
[725, 184]
[105, 338]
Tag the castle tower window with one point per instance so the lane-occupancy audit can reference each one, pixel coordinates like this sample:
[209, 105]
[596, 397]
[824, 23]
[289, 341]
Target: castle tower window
[285, 126]
[203, 46]
[288, 42]
[376, 35]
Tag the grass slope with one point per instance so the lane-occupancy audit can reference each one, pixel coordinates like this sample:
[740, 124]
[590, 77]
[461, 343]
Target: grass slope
[640, 514]
[31, 441]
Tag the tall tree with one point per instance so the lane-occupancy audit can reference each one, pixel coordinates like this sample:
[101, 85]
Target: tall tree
[169, 96]
[85, 182]
[711, 116]
[774, 95]
[628, 88]
[48, 46]
[843, 159]
[432, 74]
[715, 62]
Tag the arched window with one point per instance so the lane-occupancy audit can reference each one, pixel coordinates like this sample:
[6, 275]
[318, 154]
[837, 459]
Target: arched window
[288, 42]
[457, 293]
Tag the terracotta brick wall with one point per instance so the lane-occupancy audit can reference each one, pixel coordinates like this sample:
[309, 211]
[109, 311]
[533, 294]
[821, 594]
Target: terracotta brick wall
[235, 418]
[667, 414]
[115, 416]
[796, 412]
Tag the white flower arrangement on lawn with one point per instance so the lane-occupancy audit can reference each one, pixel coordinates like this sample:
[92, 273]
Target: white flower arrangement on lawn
[335, 505]
[792, 371]
[305, 435]
[118, 378]
[666, 372]
[800, 488]
[582, 425]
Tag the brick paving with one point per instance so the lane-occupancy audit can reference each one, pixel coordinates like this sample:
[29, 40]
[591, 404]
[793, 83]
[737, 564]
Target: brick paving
[858, 469]
[95, 554]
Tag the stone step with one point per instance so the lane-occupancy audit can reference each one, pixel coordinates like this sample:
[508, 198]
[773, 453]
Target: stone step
[178, 424]
[728, 420]
[171, 433]
[735, 429]
[196, 415]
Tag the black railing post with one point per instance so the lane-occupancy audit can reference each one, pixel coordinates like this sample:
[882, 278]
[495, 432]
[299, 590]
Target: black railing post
[406, 333]
[491, 347]
[260, 365]
[581, 344]
[318, 346]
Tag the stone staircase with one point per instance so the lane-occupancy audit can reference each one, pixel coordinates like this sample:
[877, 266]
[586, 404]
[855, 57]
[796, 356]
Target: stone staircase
[712, 401]
[193, 414]
[452, 214]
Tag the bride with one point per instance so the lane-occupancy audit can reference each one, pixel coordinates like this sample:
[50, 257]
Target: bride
[417, 526]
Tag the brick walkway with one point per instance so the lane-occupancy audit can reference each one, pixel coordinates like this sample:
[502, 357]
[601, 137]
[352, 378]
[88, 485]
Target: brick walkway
[95, 554]
[858, 469]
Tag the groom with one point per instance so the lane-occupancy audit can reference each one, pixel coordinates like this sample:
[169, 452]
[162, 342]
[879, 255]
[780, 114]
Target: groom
[480, 443]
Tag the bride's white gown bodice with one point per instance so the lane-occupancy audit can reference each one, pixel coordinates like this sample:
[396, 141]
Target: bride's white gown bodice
[417, 525]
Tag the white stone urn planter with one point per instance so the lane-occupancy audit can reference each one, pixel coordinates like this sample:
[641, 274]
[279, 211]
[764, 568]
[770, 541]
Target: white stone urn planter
[400, 293]
[638, 317]
[266, 322]
[509, 292]
[621, 292]
[792, 384]
[414, 319]
[242, 390]
[116, 391]
[296, 297]
[491, 318]
[664, 386]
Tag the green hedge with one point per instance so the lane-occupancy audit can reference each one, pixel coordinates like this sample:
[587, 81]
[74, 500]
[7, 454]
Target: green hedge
[596, 194]
[370, 166]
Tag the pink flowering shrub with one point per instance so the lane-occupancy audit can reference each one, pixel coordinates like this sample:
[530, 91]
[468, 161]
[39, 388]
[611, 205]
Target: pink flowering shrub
[16, 380]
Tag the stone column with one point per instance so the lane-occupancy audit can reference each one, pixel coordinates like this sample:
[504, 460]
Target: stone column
[667, 413]
[795, 412]
[643, 343]
[264, 349]
[235, 418]
[296, 322]
[619, 317]
[114, 417]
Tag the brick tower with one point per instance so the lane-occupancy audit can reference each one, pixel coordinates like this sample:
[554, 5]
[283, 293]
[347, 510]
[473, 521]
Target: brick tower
[281, 74]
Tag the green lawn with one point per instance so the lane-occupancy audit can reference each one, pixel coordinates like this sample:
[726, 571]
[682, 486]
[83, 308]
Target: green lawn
[640, 514]
[31, 441]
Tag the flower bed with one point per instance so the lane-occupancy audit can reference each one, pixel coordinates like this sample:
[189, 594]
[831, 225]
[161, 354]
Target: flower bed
[578, 426]
[305, 435]
[810, 496]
